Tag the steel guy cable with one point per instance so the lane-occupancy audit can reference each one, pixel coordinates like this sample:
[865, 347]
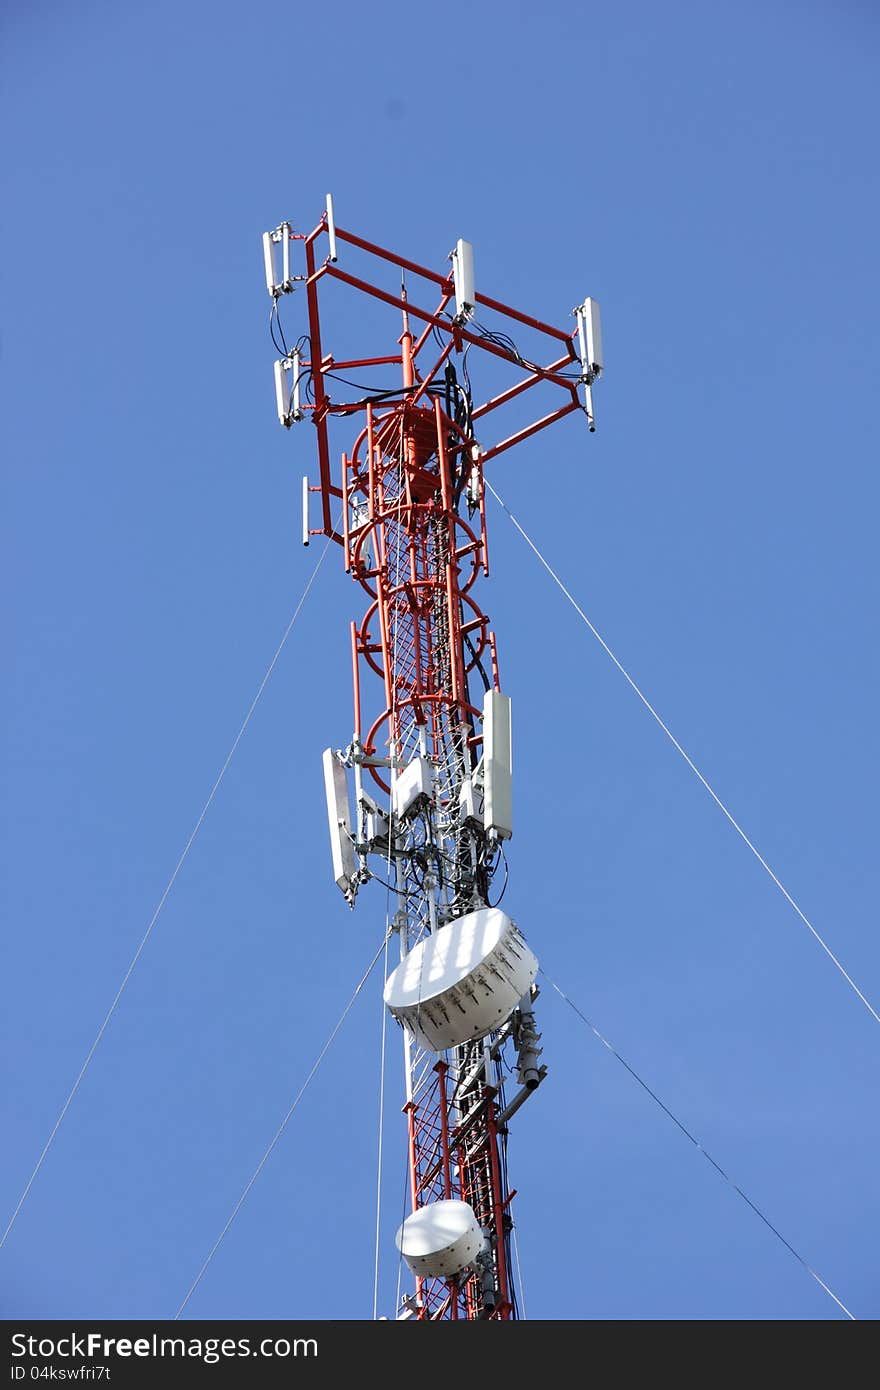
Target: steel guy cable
[693, 767]
[697, 1145]
[169, 885]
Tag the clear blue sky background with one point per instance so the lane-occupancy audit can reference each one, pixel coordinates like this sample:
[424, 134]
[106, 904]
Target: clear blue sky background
[709, 173]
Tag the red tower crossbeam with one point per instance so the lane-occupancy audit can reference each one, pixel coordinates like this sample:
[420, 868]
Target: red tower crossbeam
[457, 337]
[411, 496]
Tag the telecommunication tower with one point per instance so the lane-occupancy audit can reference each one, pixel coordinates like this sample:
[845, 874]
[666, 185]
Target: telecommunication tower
[421, 797]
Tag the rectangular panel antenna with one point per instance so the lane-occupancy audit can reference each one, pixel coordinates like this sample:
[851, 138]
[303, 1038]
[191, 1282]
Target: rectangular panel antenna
[282, 392]
[497, 765]
[415, 783]
[269, 260]
[463, 277]
[287, 283]
[590, 338]
[331, 227]
[339, 821]
[297, 410]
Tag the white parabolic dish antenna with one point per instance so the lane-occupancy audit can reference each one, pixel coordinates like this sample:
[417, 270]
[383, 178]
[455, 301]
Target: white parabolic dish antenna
[463, 980]
[440, 1240]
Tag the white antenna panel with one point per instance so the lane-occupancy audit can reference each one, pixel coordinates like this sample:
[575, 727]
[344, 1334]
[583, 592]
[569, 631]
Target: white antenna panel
[590, 338]
[282, 391]
[269, 261]
[331, 227]
[339, 821]
[414, 784]
[463, 278]
[278, 281]
[497, 765]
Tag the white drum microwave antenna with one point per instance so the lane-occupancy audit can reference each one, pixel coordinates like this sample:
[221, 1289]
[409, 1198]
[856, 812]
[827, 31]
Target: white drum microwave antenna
[462, 981]
[440, 1240]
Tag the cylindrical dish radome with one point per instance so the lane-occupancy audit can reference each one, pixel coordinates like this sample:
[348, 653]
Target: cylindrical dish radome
[462, 981]
[440, 1240]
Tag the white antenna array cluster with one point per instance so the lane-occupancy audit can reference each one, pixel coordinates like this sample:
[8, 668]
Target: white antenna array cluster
[471, 977]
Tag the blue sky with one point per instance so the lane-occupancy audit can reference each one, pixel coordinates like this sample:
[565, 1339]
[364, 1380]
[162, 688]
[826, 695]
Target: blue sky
[710, 175]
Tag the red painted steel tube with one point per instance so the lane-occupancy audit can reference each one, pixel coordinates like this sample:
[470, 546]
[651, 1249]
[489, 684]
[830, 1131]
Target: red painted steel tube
[459, 693]
[445, 488]
[391, 256]
[371, 465]
[397, 303]
[366, 362]
[521, 317]
[432, 275]
[524, 385]
[346, 551]
[356, 680]
[413, 1170]
[385, 636]
[530, 430]
[426, 380]
[498, 1205]
[318, 382]
[441, 1070]
[484, 535]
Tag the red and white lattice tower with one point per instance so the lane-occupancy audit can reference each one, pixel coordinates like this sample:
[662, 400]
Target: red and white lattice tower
[429, 762]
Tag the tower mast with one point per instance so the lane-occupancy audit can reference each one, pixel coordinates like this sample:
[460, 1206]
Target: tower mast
[430, 767]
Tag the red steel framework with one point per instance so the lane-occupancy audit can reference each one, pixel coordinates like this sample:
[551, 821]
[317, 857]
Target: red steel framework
[402, 490]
